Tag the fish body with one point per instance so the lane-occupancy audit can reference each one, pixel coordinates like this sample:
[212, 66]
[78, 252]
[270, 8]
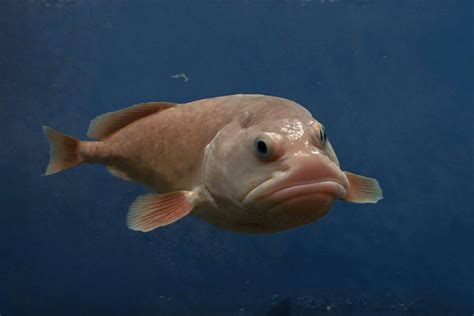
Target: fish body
[246, 163]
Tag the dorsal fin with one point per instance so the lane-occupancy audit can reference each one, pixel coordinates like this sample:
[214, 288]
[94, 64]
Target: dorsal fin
[108, 123]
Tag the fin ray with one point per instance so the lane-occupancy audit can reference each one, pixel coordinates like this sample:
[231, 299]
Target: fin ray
[64, 151]
[151, 211]
[362, 189]
[108, 123]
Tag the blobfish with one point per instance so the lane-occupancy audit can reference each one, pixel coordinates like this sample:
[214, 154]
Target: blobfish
[253, 164]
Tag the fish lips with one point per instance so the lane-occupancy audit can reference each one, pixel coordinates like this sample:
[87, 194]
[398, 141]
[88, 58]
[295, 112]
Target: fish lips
[281, 193]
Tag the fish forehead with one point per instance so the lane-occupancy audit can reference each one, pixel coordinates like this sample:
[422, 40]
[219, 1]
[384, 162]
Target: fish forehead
[293, 129]
[280, 115]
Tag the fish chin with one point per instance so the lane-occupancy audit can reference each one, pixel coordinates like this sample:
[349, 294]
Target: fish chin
[282, 210]
[299, 204]
[298, 210]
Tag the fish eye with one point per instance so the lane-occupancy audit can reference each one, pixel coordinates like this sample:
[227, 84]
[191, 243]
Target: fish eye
[322, 135]
[267, 147]
[262, 147]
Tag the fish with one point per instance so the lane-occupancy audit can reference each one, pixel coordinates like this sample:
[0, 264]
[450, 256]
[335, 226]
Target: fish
[181, 76]
[246, 163]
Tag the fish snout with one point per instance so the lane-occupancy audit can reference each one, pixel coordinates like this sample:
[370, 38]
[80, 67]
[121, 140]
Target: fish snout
[315, 168]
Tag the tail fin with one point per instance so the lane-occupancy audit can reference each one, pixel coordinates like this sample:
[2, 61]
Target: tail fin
[64, 153]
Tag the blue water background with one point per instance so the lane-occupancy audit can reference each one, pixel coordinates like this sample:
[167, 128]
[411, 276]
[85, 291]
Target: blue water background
[391, 80]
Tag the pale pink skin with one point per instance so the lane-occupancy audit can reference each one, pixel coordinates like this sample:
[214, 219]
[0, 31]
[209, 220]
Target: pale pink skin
[208, 146]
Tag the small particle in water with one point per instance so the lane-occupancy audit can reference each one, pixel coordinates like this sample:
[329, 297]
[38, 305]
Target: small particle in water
[165, 298]
[181, 76]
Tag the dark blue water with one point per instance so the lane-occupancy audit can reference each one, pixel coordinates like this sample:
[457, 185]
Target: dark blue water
[391, 80]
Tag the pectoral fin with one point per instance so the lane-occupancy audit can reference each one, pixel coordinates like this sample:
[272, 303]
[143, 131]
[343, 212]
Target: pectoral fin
[362, 189]
[151, 211]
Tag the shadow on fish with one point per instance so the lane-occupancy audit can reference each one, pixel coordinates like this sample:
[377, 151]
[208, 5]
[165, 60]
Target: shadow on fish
[246, 163]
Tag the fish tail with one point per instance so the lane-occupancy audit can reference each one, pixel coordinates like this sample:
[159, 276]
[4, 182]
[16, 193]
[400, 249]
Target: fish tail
[64, 152]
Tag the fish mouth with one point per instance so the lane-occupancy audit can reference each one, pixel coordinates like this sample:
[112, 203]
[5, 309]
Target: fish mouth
[268, 191]
[324, 187]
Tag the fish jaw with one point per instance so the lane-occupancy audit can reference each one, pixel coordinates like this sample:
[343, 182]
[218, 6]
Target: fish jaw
[329, 187]
[305, 176]
[301, 194]
[276, 190]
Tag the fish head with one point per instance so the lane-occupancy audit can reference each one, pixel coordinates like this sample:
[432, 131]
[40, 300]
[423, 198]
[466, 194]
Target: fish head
[281, 170]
